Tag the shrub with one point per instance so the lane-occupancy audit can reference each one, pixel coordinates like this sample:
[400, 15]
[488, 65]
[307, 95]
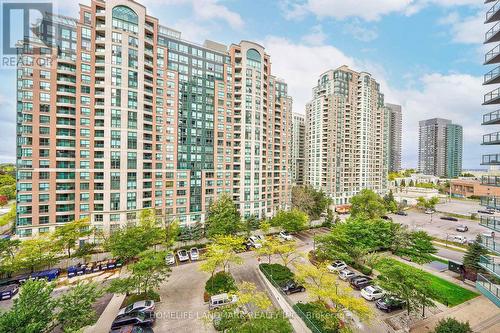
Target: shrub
[363, 269]
[451, 325]
[317, 317]
[279, 273]
[221, 282]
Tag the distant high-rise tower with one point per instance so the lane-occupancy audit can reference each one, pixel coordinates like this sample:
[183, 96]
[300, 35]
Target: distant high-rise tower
[346, 135]
[297, 148]
[395, 133]
[440, 148]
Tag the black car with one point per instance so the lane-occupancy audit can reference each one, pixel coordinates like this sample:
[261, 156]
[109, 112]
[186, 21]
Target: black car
[389, 304]
[488, 211]
[361, 282]
[401, 213]
[387, 218]
[146, 318]
[292, 287]
[449, 218]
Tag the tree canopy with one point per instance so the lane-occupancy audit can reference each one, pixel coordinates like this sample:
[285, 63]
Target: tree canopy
[223, 218]
[292, 221]
[367, 205]
[310, 201]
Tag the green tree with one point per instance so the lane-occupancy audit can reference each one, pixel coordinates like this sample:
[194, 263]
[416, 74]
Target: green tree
[419, 247]
[9, 217]
[32, 311]
[390, 203]
[451, 325]
[330, 218]
[223, 218]
[367, 205]
[427, 203]
[8, 248]
[221, 253]
[35, 253]
[291, 221]
[473, 255]
[67, 235]
[76, 307]
[310, 201]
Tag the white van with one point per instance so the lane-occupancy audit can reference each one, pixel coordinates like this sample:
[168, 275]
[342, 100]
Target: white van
[217, 301]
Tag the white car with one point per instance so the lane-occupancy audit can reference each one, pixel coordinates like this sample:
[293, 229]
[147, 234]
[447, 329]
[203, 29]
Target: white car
[148, 305]
[182, 255]
[430, 211]
[372, 293]
[194, 253]
[336, 266]
[255, 241]
[170, 258]
[285, 236]
[460, 239]
[346, 274]
[220, 300]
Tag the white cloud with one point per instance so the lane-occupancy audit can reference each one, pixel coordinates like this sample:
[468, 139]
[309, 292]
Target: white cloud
[370, 10]
[466, 30]
[360, 31]
[315, 37]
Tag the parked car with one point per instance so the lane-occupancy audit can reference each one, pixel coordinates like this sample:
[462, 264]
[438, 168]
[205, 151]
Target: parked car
[132, 329]
[182, 255]
[170, 258]
[255, 241]
[336, 266]
[346, 274]
[284, 235]
[459, 239]
[194, 253]
[148, 305]
[136, 318]
[360, 282]
[449, 218]
[430, 211]
[8, 291]
[217, 301]
[372, 293]
[462, 228]
[402, 213]
[389, 304]
[387, 218]
[487, 211]
[292, 287]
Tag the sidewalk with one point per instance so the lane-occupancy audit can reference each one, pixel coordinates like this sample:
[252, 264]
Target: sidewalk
[104, 322]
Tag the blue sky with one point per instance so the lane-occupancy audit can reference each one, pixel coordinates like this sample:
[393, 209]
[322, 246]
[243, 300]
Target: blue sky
[426, 54]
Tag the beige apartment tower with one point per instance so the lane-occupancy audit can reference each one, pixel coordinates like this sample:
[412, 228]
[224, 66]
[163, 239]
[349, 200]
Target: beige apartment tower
[130, 116]
[297, 148]
[347, 127]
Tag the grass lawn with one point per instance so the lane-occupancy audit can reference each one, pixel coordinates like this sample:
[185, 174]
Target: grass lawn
[446, 292]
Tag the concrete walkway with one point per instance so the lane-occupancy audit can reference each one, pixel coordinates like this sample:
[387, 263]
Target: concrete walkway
[482, 315]
[104, 322]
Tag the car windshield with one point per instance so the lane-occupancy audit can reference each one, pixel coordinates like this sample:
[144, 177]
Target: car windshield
[147, 303]
[129, 308]
[183, 253]
[194, 250]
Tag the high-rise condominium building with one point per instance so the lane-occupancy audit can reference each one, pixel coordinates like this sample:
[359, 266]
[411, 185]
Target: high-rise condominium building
[130, 116]
[347, 128]
[440, 148]
[297, 148]
[395, 133]
[487, 280]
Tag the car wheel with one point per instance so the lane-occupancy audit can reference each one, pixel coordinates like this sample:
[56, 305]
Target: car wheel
[302, 289]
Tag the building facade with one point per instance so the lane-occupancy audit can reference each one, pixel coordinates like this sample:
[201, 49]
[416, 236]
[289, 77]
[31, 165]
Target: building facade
[395, 133]
[347, 135]
[297, 148]
[128, 116]
[487, 282]
[440, 148]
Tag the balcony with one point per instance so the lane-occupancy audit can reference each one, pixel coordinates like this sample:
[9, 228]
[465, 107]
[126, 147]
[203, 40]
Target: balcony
[491, 159]
[490, 265]
[490, 244]
[492, 76]
[490, 202]
[493, 56]
[490, 222]
[490, 180]
[488, 289]
[493, 35]
[491, 139]
[493, 97]
[492, 118]
[493, 14]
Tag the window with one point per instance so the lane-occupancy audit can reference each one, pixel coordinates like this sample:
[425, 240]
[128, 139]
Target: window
[125, 18]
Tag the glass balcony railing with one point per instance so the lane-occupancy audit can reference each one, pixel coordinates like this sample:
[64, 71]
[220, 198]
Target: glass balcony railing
[492, 56]
[490, 265]
[490, 180]
[488, 289]
[491, 118]
[492, 76]
[491, 138]
[493, 35]
[493, 97]
[492, 14]
[490, 202]
[491, 159]
[490, 244]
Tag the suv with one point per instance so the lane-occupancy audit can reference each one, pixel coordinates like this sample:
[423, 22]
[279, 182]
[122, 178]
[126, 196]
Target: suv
[182, 255]
[461, 228]
[292, 287]
[194, 253]
[346, 274]
[134, 318]
[360, 282]
[389, 304]
[372, 293]
[336, 266]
